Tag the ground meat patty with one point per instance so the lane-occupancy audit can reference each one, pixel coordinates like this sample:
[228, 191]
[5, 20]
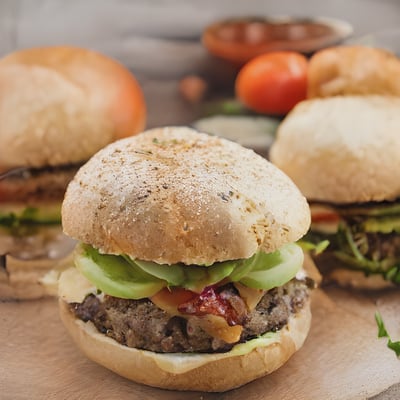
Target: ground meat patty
[383, 245]
[30, 184]
[374, 246]
[141, 324]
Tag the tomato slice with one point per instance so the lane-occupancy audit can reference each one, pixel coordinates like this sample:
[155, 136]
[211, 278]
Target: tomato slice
[325, 217]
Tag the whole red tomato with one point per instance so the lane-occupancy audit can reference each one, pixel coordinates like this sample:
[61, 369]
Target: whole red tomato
[273, 83]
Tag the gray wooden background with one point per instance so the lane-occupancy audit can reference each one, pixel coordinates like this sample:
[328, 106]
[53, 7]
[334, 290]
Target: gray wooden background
[158, 39]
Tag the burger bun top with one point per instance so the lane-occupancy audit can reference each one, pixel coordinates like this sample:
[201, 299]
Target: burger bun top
[61, 104]
[176, 195]
[342, 149]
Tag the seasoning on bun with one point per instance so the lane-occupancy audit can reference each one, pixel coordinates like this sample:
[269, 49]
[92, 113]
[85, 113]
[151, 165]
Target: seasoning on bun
[343, 154]
[58, 106]
[187, 275]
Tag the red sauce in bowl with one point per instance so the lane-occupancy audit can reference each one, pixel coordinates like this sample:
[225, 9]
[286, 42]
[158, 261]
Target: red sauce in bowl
[239, 40]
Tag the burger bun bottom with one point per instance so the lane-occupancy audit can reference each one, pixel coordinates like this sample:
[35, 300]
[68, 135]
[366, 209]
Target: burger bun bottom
[348, 278]
[29, 279]
[220, 373]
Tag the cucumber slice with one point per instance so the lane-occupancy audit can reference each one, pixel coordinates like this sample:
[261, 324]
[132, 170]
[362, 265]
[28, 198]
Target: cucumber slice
[382, 225]
[288, 261]
[212, 275]
[115, 276]
[123, 277]
[16, 216]
[173, 274]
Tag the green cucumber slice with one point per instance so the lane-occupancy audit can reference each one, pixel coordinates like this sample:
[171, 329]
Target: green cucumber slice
[115, 276]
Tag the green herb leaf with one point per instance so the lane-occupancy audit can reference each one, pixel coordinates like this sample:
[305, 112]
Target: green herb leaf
[316, 248]
[382, 332]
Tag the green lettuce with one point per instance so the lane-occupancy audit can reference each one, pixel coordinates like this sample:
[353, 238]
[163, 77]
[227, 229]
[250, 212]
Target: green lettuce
[351, 243]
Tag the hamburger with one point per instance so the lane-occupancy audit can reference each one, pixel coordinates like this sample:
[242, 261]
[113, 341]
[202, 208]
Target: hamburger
[343, 154]
[187, 275]
[58, 106]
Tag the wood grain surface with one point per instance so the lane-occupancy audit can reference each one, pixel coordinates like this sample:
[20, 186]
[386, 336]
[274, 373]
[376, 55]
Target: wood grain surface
[342, 358]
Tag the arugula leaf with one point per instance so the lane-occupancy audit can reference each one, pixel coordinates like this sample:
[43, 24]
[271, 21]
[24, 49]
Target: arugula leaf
[382, 332]
[316, 248]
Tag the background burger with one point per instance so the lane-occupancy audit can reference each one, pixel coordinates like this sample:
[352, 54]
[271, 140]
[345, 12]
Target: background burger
[58, 106]
[353, 70]
[187, 275]
[343, 154]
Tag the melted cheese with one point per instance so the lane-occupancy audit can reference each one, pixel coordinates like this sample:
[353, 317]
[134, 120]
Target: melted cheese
[217, 327]
[73, 287]
[250, 296]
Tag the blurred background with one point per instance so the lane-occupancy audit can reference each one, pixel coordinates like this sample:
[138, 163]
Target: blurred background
[159, 39]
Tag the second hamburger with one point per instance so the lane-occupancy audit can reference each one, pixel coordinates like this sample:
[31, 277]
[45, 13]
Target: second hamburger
[58, 106]
[343, 154]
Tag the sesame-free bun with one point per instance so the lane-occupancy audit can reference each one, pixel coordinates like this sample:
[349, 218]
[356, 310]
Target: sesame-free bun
[176, 371]
[342, 149]
[353, 70]
[61, 104]
[357, 279]
[176, 195]
[27, 279]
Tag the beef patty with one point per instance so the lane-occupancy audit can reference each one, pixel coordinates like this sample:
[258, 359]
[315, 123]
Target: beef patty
[380, 253]
[36, 184]
[143, 325]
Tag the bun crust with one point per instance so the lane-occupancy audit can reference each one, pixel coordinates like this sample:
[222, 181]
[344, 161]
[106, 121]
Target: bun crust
[353, 70]
[357, 280]
[60, 105]
[175, 195]
[24, 279]
[218, 374]
[342, 149]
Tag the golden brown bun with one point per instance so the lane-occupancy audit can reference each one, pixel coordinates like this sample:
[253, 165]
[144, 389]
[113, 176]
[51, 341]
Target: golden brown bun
[175, 195]
[24, 279]
[342, 149]
[358, 280]
[216, 374]
[60, 105]
[352, 70]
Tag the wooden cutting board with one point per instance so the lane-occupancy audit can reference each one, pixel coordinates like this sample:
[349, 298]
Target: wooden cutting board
[341, 359]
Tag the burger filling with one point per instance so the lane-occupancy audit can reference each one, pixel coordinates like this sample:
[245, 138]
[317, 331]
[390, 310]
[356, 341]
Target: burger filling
[189, 308]
[363, 237]
[143, 325]
[30, 212]
[36, 185]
